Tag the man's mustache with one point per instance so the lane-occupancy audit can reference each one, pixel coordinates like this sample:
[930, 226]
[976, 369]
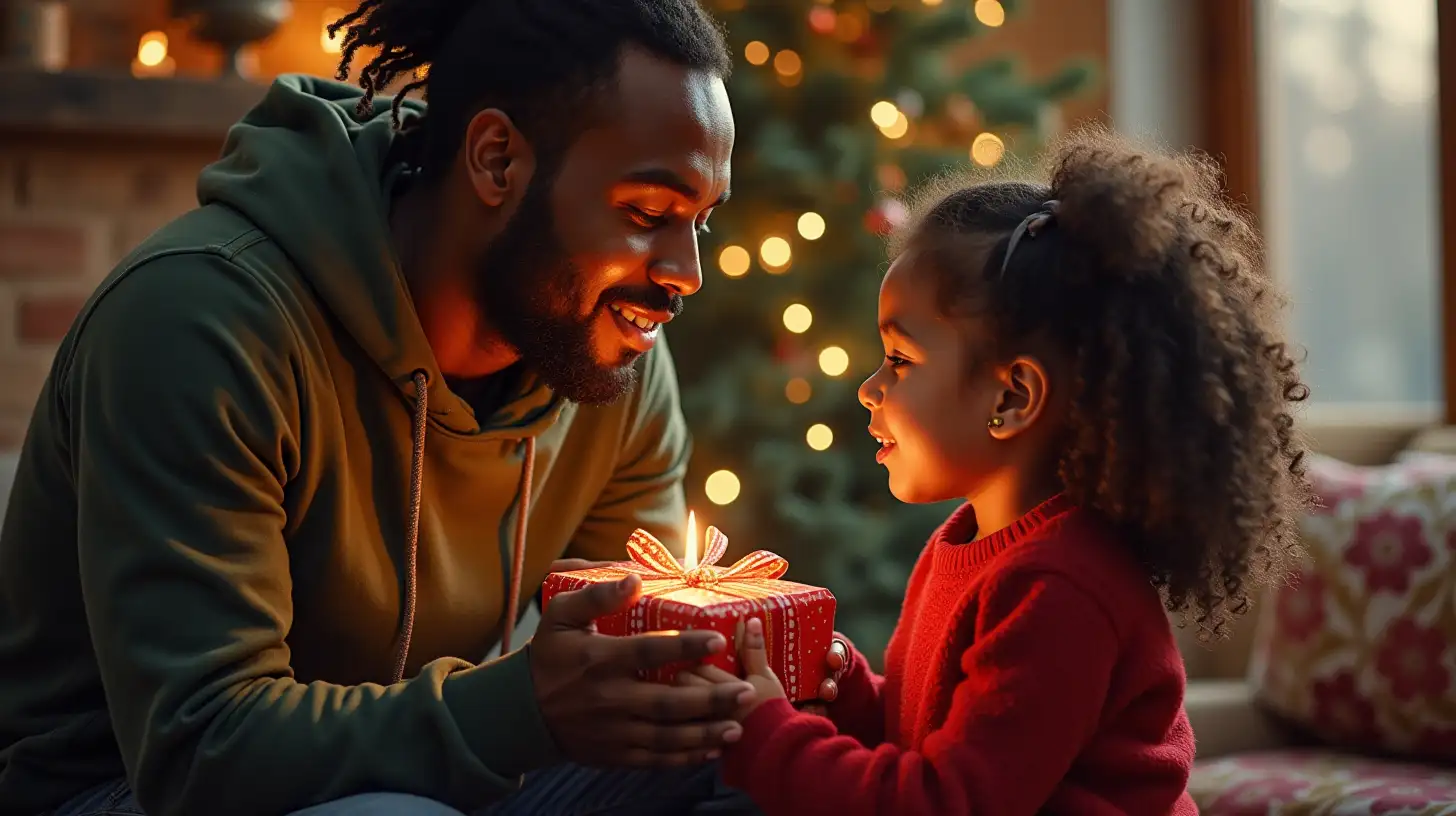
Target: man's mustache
[645, 298]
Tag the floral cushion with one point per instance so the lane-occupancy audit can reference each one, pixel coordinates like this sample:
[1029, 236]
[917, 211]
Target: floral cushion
[1360, 650]
[1290, 783]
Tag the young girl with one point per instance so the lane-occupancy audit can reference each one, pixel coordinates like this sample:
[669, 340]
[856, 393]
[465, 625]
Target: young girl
[1096, 366]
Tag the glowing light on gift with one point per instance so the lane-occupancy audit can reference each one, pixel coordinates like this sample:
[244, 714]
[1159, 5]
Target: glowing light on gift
[987, 149]
[697, 593]
[722, 487]
[990, 13]
[331, 43]
[734, 261]
[152, 59]
[811, 226]
[833, 361]
[756, 53]
[690, 552]
[798, 318]
[662, 573]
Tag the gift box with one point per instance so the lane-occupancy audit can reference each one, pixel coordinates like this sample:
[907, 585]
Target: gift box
[798, 619]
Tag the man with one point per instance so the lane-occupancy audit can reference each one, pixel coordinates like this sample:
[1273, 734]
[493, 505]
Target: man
[279, 482]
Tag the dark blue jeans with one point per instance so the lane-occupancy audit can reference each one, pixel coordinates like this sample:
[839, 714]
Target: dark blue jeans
[565, 790]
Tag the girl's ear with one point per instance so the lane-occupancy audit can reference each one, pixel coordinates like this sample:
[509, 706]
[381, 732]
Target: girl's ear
[1023, 397]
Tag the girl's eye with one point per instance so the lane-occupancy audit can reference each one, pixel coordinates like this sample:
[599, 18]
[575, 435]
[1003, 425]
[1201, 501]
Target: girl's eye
[896, 361]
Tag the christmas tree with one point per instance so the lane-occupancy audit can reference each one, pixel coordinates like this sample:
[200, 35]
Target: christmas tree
[838, 105]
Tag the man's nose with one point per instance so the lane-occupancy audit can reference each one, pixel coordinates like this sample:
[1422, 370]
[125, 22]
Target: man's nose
[681, 270]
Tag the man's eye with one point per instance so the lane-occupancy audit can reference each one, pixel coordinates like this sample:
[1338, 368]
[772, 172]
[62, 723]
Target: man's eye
[646, 219]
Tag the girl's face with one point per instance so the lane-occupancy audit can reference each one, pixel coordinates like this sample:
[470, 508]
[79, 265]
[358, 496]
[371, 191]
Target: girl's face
[933, 394]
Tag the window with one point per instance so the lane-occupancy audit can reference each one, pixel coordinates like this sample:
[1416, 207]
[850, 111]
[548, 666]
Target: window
[1350, 193]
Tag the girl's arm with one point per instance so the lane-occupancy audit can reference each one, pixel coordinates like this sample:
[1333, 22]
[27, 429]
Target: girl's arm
[1035, 683]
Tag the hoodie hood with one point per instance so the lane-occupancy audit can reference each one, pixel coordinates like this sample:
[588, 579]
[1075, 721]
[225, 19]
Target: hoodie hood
[316, 179]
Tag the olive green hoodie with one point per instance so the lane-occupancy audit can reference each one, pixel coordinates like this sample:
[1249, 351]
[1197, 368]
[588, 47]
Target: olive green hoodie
[207, 559]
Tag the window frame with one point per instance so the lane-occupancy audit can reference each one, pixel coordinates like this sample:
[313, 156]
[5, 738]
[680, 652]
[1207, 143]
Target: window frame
[1230, 127]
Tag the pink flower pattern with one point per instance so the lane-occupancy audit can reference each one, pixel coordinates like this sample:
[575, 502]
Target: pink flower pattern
[1314, 781]
[1389, 548]
[1343, 710]
[1409, 659]
[1301, 607]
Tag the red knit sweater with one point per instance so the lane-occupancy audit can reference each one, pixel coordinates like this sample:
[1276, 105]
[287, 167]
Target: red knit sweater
[1032, 671]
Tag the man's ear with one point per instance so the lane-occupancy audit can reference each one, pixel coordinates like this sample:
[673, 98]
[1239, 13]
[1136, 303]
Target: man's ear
[497, 158]
[1026, 388]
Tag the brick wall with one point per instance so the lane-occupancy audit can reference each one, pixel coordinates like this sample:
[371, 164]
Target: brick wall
[68, 211]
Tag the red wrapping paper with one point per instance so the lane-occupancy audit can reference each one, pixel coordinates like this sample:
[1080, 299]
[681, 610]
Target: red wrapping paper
[798, 619]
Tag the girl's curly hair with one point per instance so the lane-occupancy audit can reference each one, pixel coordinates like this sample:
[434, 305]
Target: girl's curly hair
[1180, 428]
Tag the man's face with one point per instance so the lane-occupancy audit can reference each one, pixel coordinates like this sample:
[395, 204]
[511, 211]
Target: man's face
[603, 247]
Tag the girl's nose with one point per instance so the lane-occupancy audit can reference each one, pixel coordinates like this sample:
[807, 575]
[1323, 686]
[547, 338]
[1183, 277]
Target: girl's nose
[869, 392]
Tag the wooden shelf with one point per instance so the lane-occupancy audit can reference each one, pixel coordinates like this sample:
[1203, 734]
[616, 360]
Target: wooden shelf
[113, 104]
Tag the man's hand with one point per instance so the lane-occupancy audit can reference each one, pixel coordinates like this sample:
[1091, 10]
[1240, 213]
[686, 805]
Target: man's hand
[574, 564]
[599, 712]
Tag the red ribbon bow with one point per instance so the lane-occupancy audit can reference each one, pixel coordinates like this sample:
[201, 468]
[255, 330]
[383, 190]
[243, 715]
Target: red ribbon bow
[657, 562]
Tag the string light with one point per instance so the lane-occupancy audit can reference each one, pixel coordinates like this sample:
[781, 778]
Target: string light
[775, 253]
[331, 44]
[987, 149]
[798, 318]
[819, 436]
[756, 53]
[734, 261]
[833, 361]
[811, 226]
[990, 13]
[850, 26]
[931, 2]
[788, 63]
[722, 487]
[798, 391]
[884, 113]
[898, 128]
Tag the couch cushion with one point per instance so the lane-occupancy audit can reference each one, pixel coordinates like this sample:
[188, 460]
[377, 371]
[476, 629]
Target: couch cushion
[1309, 782]
[1360, 650]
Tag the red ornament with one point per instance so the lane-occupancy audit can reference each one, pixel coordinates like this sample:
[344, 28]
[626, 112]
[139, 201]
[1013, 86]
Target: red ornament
[886, 216]
[823, 19]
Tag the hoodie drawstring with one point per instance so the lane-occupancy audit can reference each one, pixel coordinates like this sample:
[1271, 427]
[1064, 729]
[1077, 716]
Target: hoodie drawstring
[412, 531]
[518, 546]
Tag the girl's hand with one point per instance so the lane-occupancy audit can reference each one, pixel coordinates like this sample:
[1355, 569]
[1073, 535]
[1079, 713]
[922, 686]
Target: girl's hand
[754, 657]
[837, 661]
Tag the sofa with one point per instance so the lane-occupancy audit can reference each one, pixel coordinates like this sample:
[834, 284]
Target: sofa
[1337, 694]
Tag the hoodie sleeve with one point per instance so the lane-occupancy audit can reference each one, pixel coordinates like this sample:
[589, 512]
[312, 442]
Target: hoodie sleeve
[646, 488]
[184, 399]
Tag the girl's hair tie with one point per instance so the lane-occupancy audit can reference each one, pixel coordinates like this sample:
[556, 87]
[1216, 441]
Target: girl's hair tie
[1029, 227]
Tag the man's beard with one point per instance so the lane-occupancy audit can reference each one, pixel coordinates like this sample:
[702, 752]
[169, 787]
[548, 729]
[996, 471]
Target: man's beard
[533, 294]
